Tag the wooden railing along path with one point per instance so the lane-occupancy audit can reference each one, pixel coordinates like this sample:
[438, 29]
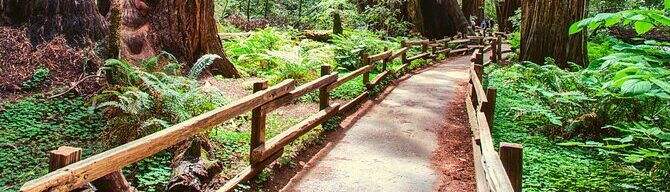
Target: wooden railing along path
[69, 173]
[493, 171]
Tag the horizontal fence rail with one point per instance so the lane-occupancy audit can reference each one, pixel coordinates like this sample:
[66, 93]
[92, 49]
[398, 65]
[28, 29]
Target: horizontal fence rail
[75, 173]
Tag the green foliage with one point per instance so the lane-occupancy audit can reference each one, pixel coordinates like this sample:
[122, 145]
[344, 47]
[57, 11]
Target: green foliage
[150, 174]
[39, 77]
[548, 166]
[352, 44]
[31, 127]
[600, 46]
[273, 55]
[321, 16]
[145, 102]
[642, 144]
[201, 64]
[641, 20]
[580, 103]
[383, 16]
[349, 90]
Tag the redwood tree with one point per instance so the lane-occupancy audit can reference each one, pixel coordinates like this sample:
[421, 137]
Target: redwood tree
[544, 31]
[443, 18]
[473, 8]
[186, 29]
[504, 10]
[78, 21]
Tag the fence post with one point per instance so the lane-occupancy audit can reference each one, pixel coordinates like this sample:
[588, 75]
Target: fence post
[323, 91]
[404, 54]
[479, 65]
[366, 75]
[490, 106]
[494, 50]
[385, 61]
[424, 47]
[511, 155]
[63, 156]
[435, 55]
[258, 117]
[499, 51]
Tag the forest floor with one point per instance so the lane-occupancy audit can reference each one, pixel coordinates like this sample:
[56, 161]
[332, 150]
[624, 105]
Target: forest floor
[423, 147]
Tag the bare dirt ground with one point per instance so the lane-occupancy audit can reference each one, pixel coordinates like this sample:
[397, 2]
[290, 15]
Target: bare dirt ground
[19, 59]
[414, 139]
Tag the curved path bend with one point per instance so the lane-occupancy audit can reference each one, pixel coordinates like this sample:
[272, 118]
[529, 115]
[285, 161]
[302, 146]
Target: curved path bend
[415, 139]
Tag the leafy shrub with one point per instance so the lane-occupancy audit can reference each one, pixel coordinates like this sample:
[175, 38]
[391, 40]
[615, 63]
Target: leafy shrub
[145, 102]
[321, 17]
[383, 16]
[526, 106]
[39, 77]
[352, 44]
[271, 54]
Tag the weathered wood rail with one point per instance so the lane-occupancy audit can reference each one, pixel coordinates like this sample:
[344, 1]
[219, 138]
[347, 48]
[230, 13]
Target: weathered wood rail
[72, 174]
[493, 172]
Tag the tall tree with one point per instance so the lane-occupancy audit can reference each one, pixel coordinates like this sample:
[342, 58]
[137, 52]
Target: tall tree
[544, 31]
[186, 29]
[473, 8]
[78, 21]
[504, 10]
[443, 18]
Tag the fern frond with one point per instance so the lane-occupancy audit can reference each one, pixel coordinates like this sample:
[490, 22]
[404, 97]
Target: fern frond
[201, 64]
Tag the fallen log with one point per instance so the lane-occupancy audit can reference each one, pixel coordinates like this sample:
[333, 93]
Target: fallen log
[321, 35]
[193, 169]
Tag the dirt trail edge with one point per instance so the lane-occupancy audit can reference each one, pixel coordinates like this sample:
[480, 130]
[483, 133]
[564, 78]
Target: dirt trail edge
[416, 139]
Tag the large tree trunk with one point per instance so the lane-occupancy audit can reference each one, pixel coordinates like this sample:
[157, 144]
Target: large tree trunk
[544, 31]
[473, 8]
[413, 13]
[443, 18]
[504, 10]
[77, 20]
[186, 29]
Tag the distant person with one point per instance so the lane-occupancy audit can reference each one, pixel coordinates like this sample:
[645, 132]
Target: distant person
[484, 25]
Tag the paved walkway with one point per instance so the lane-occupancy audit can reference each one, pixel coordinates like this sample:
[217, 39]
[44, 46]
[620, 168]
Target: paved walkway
[390, 147]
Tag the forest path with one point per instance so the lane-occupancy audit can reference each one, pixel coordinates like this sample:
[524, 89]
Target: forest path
[415, 139]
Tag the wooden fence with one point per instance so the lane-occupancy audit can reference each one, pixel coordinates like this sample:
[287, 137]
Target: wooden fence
[73, 174]
[493, 172]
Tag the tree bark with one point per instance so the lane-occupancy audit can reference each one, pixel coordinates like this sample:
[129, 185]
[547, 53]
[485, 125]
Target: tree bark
[473, 8]
[544, 31]
[443, 18]
[504, 10]
[77, 20]
[186, 29]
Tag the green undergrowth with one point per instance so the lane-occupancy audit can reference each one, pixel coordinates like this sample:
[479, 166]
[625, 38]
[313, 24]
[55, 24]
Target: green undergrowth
[547, 166]
[33, 126]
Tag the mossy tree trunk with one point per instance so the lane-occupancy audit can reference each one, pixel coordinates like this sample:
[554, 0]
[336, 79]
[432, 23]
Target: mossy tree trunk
[544, 31]
[186, 29]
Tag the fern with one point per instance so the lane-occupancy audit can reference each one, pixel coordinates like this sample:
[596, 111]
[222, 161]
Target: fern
[201, 64]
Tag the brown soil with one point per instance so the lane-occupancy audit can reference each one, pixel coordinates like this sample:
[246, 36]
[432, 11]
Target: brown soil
[454, 138]
[19, 59]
